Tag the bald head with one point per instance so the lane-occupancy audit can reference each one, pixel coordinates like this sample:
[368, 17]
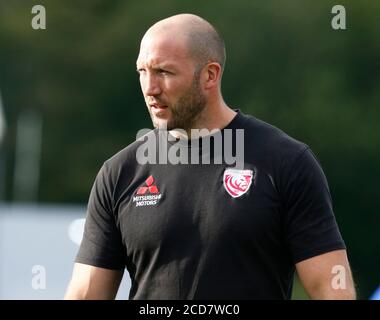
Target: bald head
[201, 40]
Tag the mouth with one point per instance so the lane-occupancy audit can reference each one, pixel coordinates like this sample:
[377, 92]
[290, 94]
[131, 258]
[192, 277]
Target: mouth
[157, 107]
[159, 110]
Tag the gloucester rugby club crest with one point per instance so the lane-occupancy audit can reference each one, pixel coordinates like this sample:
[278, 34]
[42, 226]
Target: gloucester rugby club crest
[237, 182]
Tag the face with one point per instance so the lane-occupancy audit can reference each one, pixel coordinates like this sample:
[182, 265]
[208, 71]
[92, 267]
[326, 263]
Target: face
[170, 82]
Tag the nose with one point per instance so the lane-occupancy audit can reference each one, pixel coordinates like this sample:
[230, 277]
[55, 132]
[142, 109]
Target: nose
[151, 85]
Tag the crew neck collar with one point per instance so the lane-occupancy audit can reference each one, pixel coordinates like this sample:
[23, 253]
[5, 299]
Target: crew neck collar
[235, 123]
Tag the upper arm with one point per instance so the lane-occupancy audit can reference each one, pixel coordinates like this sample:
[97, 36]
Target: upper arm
[93, 283]
[327, 276]
[309, 221]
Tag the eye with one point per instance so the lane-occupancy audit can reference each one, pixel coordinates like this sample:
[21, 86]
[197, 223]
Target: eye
[140, 70]
[163, 72]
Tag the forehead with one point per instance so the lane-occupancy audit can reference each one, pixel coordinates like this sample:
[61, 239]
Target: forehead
[162, 49]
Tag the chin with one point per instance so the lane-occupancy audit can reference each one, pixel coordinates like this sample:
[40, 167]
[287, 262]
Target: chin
[160, 123]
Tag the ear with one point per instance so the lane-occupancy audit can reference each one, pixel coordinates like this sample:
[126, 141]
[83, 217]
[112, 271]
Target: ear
[211, 75]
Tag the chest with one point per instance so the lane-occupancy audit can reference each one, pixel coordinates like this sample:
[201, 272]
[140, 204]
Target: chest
[185, 205]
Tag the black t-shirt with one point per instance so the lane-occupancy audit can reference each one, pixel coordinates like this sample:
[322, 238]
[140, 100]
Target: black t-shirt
[206, 231]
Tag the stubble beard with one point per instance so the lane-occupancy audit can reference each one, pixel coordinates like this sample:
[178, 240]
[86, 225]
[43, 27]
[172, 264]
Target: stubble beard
[187, 111]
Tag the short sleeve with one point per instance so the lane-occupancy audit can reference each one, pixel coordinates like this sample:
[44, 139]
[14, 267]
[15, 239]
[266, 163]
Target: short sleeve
[101, 245]
[310, 225]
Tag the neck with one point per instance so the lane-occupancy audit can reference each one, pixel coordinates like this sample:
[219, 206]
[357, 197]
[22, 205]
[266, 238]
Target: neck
[215, 116]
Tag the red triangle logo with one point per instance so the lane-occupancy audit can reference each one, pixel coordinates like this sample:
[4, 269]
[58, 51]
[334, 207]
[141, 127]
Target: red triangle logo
[149, 186]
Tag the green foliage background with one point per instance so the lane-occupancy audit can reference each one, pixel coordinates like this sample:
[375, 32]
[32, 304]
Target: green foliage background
[285, 65]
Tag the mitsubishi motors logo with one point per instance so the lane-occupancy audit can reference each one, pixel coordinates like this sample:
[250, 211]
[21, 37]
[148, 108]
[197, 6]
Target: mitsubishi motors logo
[148, 194]
[149, 186]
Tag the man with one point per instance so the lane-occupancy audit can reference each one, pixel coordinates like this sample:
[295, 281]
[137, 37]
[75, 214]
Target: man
[208, 231]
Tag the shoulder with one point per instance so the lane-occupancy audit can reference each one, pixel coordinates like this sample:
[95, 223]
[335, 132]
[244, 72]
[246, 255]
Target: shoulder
[269, 143]
[125, 159]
